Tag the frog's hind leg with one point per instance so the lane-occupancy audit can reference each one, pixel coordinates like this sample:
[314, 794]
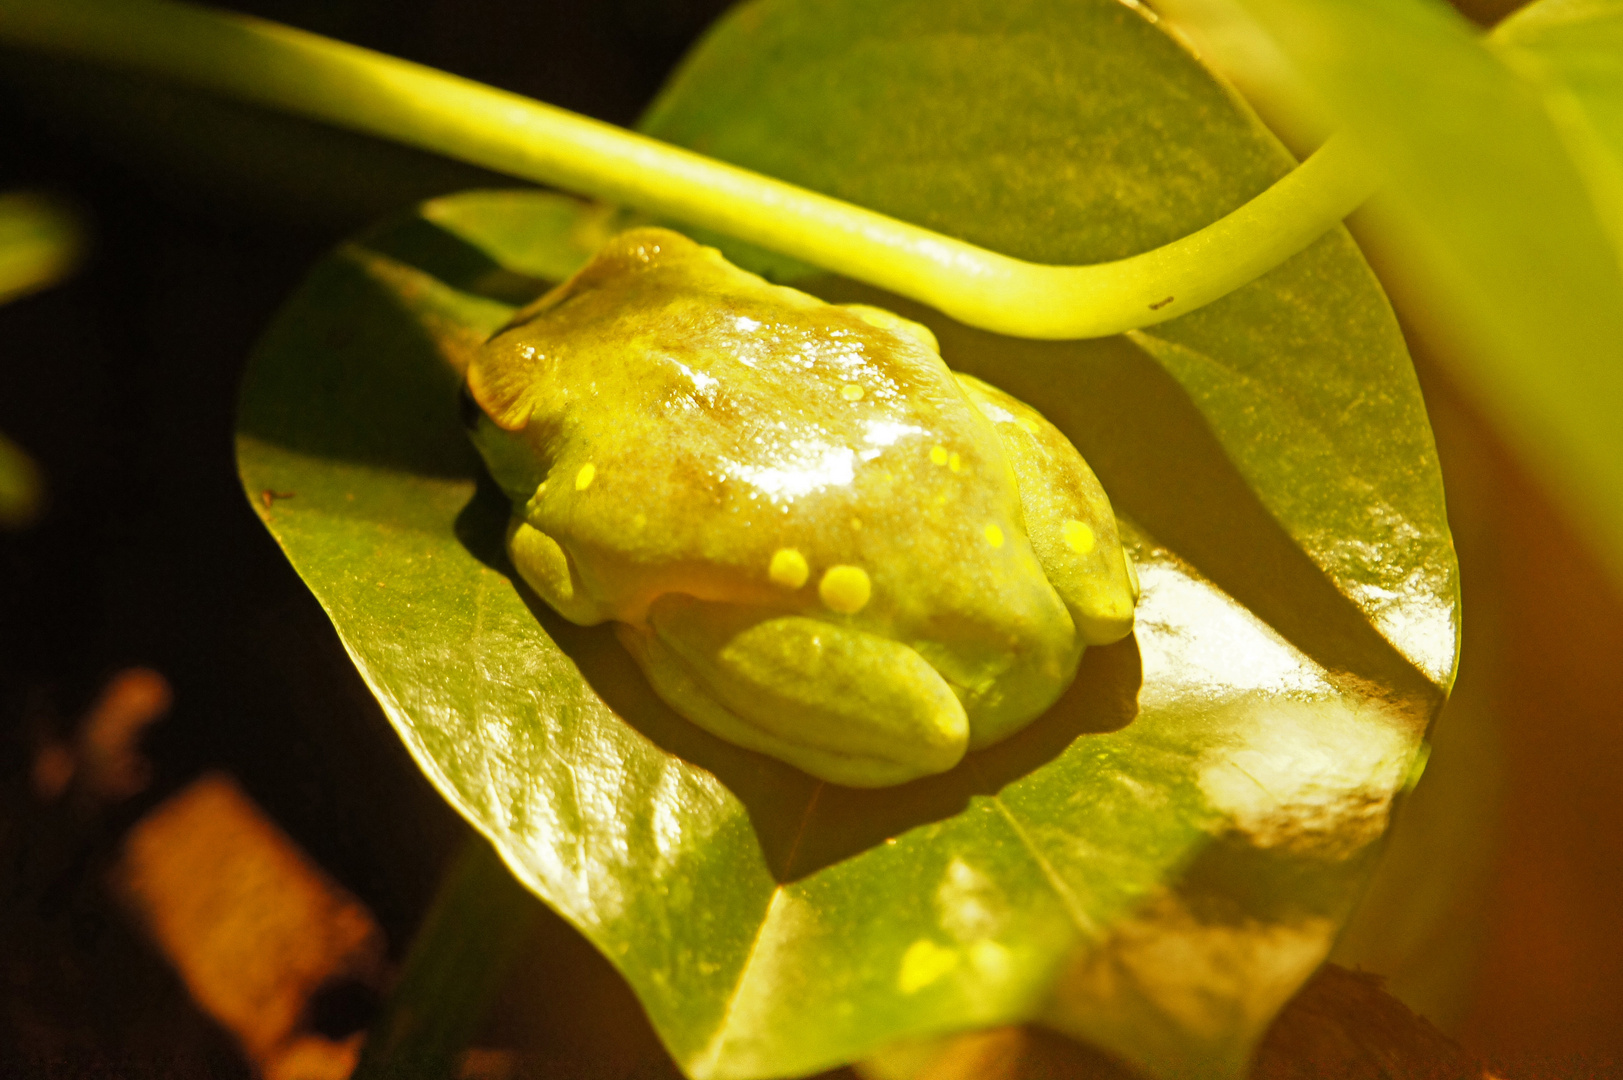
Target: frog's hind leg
[839, 703]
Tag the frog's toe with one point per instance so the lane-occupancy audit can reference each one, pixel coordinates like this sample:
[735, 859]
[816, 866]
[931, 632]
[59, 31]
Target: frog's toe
[842, 704]
[548, 570]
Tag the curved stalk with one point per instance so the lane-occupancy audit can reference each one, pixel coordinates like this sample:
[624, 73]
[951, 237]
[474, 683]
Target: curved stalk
[293, 71]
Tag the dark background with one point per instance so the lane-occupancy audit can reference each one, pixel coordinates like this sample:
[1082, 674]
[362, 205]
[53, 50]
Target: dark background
[122, 385]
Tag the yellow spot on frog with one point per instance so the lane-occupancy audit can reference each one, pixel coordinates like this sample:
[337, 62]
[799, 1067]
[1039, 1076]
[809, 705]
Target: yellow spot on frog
[954, 462]
[938, 455]
[851, 392]
[856, 524]
[922, 964]
[788, 568]
[583, 479]
[994, 535]
[1028, 423]
[1078, 537]
[845, 589]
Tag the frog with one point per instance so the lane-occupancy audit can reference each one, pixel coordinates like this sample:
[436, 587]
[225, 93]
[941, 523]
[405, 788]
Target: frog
[816, 540]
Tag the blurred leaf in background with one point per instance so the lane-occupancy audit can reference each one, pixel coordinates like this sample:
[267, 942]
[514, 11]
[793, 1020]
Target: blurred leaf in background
[20, 487]
[41, 242]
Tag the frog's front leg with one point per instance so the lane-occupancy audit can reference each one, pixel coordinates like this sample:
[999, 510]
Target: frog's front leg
[840, 703]
[549, 570]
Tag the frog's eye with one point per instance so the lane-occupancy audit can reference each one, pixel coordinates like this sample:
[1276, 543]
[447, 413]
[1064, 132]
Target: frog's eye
[468, 408]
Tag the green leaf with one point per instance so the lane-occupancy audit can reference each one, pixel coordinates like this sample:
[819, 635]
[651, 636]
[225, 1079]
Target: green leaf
[1156, 863]
[1572, 50]
[1503, 225]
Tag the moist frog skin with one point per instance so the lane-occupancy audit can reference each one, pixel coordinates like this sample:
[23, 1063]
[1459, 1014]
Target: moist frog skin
[817, 541]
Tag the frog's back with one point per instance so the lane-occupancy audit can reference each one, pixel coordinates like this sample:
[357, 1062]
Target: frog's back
[694, 422]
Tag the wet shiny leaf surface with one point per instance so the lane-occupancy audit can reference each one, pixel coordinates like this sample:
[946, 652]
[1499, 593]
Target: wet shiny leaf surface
[1155, 864]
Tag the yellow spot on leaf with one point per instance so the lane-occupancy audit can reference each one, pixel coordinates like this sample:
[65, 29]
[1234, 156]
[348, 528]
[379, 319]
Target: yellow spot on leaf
[788, 568]
[845, 589]
[922, 964]
[954, 462]
[1078, 537]
[851, 392]
[994, 535]
[938, 455]
[583, 479]
[990, 959]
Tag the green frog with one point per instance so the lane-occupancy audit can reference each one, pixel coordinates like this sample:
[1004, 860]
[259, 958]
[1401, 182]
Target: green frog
[816, 540]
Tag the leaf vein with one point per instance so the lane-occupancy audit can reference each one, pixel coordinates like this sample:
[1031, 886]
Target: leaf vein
[1073, 903]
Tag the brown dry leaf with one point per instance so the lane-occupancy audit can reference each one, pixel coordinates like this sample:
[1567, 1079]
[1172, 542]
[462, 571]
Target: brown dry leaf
[253, 927]
[110, 765]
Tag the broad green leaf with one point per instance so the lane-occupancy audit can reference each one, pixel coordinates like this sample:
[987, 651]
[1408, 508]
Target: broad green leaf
[1503, 215]
[1156, 863]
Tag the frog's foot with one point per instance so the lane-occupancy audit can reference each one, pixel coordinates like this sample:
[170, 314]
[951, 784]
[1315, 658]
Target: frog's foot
[839, 703]
[549, 570]
[1004, 690]
[1067, 515]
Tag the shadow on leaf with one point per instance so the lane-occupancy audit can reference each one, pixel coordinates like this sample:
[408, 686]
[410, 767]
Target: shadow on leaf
[380, 342]
[440, 253]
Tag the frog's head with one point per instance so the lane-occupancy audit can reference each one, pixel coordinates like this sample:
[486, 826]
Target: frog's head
[510, 460]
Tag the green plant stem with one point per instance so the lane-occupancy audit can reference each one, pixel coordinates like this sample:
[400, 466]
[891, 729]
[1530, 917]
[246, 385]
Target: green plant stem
[290, 70]
[478, 925]
[40, 243]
